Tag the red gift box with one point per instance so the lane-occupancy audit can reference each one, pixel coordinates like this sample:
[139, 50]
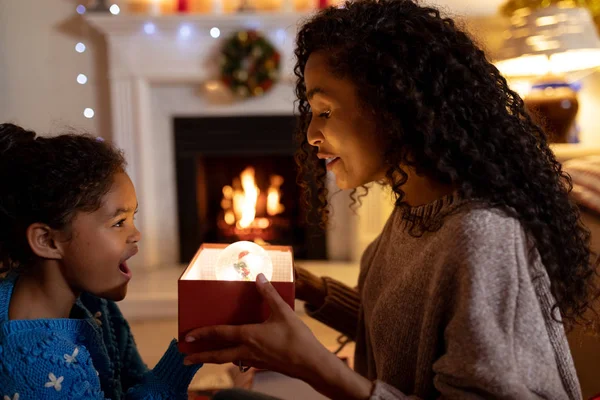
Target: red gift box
[205, 301]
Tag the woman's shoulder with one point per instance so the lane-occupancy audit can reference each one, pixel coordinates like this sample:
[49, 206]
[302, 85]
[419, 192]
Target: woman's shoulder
[480, 223]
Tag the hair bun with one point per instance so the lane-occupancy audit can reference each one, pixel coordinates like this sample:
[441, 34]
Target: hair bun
[12, 135]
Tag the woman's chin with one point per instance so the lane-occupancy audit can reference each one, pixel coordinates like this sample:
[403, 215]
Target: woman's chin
[344, 183]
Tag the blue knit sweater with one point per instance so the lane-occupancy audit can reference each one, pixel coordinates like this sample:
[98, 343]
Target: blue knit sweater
[91, 355]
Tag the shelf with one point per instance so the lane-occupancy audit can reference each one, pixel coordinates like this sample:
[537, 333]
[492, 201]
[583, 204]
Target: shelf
[566, 151]
[127, 24]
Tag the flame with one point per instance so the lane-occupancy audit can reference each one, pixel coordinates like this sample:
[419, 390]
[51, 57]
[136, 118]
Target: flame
[274, 207]
[250, 196]
[239, 200]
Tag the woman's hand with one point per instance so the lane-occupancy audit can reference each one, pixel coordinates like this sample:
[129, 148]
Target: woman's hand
[283, 344]
[309, 287]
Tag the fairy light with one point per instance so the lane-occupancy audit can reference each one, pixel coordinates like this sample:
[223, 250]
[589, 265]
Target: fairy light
[82, 79]
[149, 28]
[215, 32]
[185, 31]
[88, 113]
[114, 9]
[80, 48]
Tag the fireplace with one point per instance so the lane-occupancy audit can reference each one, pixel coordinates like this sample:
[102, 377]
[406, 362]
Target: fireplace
[236, 180]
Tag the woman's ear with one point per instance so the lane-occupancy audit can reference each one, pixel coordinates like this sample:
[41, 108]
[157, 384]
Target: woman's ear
[43, 241]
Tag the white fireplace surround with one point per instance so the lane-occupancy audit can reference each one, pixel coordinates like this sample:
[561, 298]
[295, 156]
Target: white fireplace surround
[155, 77]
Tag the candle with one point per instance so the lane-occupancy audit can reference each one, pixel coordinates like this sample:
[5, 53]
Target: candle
[217, 6]
[183, 6]
[287, 5]
[155, 7]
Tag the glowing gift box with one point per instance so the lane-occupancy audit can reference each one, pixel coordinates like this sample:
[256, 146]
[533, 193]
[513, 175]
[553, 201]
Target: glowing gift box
[206, 300]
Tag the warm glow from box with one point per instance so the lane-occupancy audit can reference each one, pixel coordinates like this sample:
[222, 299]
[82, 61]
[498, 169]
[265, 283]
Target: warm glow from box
[204, 266]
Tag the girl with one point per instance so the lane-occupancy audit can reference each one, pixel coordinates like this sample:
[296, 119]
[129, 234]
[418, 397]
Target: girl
[466, 292]
[66, 232]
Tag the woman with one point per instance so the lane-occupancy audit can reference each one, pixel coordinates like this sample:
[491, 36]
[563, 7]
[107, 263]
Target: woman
[466, 292]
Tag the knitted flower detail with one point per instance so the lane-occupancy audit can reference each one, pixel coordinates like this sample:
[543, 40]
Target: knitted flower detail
[55, 382]
[71, 358]
[97, 318]
[15, 397]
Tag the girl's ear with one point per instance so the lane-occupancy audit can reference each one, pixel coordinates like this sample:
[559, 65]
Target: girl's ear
[43, 241]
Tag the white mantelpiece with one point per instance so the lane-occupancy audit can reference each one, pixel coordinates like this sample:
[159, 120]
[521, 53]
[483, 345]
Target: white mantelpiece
[155, 77]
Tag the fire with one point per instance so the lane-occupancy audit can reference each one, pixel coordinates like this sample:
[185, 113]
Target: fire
[274, 207]
[246, 199]
[239, 202]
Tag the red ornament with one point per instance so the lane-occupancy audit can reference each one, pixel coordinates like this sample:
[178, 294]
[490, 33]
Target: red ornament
[266, 85]
[183, 6]
[323, 4]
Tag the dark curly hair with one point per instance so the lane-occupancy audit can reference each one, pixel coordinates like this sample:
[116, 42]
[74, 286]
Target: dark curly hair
[446, 111]
[48, 179]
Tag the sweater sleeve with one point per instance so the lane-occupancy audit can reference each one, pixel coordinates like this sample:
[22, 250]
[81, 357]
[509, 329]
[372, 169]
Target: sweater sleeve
[168, 380]
[340, 309]
[44, 365]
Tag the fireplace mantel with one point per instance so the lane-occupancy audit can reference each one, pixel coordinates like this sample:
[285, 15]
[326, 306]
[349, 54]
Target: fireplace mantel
[177, 50]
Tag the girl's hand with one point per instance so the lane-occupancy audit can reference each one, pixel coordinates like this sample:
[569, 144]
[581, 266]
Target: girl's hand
[283, 344]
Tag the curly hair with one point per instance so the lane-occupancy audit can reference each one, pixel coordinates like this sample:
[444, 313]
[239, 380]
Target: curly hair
[47, 180]
[446, 111]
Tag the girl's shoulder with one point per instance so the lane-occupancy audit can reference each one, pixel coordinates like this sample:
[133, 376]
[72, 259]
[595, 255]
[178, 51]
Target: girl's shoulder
[40, 361]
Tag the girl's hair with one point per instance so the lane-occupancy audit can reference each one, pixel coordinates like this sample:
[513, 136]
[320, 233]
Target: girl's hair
[446, 111]
[46, 180]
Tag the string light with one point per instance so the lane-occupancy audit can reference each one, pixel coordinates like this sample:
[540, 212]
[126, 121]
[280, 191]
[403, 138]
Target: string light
[185, 31]
[114, 9]
[149, 28]
[88, 113]
[281, 36]
[80, 47]
[215, 32]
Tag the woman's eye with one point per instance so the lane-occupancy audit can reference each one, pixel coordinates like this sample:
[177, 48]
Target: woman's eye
[120, 223]
[325, 114]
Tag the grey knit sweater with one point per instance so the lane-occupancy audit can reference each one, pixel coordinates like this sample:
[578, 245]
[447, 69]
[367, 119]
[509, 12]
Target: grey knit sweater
[459, 313]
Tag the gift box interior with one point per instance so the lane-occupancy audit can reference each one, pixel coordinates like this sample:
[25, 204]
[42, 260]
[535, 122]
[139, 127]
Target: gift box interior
[205, 300]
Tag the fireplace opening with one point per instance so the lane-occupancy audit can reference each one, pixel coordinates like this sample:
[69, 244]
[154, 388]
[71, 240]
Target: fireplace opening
[236, 180]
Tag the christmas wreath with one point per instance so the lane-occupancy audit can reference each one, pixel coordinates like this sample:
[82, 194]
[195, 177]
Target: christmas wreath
[250, 64]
